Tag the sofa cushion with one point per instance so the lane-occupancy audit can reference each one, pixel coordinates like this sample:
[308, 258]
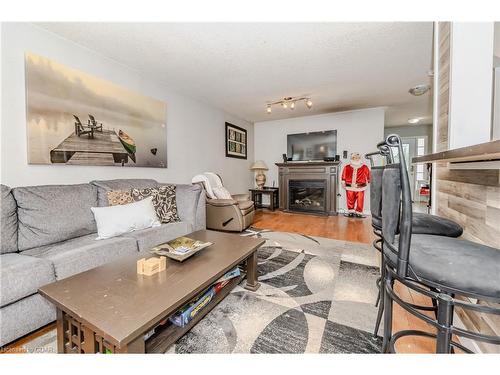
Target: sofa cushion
[83, 253]
[54, 213]
[151, 237]
[187, 197]
[8, 221]
[22, 275]
[103, 186]
[25, 316]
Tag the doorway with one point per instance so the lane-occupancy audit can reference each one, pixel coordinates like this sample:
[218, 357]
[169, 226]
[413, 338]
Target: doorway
[417, 173]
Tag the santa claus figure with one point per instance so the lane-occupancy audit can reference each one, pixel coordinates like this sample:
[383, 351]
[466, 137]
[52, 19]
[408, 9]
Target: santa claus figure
[355, 180]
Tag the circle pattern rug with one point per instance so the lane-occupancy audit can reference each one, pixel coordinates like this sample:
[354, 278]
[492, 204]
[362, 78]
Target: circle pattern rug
[317, 295]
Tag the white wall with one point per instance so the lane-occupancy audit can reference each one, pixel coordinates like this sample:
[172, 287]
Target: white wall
[471, 83]
[195, 131]
[356, 131]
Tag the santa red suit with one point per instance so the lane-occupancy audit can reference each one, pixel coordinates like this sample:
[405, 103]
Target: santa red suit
[355, 179]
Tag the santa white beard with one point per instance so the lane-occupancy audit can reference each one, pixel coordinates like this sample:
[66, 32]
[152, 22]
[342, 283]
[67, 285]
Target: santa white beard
[356, 163]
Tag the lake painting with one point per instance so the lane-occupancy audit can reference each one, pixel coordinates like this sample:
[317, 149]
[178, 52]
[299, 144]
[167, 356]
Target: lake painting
[74, 118]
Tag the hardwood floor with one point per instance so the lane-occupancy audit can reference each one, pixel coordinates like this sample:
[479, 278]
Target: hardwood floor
[336, 227]
[354, 230]
[17, 347]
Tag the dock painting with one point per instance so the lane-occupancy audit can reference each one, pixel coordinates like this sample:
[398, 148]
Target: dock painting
[74, 118]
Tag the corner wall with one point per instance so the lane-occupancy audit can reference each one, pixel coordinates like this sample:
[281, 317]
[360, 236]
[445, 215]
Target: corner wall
[359, 131]
[195, 131]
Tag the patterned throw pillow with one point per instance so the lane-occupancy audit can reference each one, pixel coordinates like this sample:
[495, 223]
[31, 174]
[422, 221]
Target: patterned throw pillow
[119, 197]
[163, 201]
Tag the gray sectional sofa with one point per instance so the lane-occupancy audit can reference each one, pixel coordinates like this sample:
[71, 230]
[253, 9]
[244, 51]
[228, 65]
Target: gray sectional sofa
[48, 233]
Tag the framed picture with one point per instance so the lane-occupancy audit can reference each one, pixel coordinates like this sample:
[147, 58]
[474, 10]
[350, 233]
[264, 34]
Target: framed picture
[236, 141]
[74, 118]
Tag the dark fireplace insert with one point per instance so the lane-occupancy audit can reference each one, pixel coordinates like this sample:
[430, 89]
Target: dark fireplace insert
[307, 195]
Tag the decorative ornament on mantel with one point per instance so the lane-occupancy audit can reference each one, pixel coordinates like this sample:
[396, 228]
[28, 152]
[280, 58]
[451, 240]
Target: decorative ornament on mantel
[260, 179]
[289, 102]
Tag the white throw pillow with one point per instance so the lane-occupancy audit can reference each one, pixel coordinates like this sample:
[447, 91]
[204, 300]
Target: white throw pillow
[221, 192]
[115, 220]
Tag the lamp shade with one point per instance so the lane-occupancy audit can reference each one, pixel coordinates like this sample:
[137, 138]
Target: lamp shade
[259, 165]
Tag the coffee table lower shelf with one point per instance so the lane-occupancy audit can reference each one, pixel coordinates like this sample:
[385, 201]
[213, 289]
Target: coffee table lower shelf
[168, 334]
[75, 337]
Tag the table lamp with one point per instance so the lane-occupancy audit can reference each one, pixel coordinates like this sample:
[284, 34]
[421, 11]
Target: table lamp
[260, 179]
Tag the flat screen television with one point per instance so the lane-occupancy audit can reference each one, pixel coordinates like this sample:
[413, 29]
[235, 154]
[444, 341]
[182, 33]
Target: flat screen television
[312, 146]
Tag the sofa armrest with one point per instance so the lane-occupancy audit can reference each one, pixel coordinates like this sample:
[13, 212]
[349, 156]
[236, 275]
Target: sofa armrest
[222, 202]
[241, 197]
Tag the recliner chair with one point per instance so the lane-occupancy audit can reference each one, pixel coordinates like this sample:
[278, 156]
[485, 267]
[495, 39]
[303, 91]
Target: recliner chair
[233, 213]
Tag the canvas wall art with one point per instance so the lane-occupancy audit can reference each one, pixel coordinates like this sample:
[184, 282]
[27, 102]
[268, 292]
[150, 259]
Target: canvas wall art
[236, 141]
[75, 118]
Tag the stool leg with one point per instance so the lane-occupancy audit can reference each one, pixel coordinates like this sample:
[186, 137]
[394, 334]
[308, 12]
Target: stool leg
[381, 297]
[445, 321]
[434, 303]
[389, 283]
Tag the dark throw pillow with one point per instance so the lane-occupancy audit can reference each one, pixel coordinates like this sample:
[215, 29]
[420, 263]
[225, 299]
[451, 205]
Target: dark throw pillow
[164, 201]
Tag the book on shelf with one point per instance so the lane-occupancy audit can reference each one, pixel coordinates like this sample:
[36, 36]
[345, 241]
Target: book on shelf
[183, 316]
[230, 275]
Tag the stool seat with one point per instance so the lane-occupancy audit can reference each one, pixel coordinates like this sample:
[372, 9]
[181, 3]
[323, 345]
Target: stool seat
[453, 264]
[435, 225]
[428, 224]
[376, 222]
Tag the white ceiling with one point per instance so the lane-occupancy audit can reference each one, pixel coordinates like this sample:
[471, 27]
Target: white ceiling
[238, 67]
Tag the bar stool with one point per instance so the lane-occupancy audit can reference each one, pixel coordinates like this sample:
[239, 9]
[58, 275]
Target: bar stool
[442, 268]
[421, 224]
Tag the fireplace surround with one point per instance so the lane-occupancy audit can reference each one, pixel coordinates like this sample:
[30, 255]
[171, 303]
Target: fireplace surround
[309, 187]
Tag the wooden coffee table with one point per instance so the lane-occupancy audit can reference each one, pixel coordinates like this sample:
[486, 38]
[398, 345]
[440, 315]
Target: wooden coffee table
[110, 308]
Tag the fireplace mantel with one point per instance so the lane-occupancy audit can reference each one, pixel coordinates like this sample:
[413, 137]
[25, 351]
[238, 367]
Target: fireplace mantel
[314, 170]
[308, 163]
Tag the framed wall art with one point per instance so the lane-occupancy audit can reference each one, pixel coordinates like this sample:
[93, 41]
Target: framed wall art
[236, 141]
[74, 118]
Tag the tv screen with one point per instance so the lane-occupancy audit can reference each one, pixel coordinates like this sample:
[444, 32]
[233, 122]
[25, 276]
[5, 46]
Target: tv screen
[312, 146]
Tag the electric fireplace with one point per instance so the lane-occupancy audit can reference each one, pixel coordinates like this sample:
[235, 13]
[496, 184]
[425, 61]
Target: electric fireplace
[307, 195]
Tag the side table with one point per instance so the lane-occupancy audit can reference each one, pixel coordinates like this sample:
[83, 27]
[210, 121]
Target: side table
[273, 193]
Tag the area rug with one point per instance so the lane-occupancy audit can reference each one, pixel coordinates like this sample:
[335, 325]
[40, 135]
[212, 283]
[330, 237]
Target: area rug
[317, 295]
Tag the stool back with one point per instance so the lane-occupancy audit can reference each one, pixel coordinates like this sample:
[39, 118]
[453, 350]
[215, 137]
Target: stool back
[397, 205]
[376, 195]
[376, 183]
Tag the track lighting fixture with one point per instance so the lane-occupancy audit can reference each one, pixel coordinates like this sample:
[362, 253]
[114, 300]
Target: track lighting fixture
[289, 102]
